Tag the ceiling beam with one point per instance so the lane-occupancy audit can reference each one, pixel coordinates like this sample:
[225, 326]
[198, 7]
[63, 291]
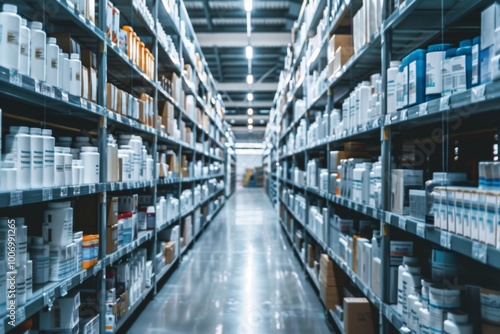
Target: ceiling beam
[243, 87]
[255, 104]
[232, 40]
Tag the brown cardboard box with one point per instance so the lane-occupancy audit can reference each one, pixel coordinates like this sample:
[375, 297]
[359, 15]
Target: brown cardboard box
[329, 295]
[357, 316]
[342, 55]
[123, 304]
[337, 41]
[172, 162]
[169, 252]
[109, 93]
[66, 43]
[310, 256]
[111, 238]
[490, 329]
[85, 83]
[185, 172]
[112, 209]
[89, 59]
[93, 85]
[187, 231]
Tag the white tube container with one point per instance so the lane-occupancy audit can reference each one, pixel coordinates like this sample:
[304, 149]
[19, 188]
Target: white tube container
[59, 167]
[457, 323]
[68, 164]
[10, 30]
[37, 166]
[38, 51]
[75, 75]
[52, 62]
[25, 48]
[365, 93]
[48, 158]
[91, 167]
[125, 172]
[392, 73]
[19, 142]
[424, 321]
[414, 305]
[8, 175]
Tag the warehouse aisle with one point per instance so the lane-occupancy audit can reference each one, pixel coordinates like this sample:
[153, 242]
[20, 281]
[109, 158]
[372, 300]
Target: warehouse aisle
[240, 277]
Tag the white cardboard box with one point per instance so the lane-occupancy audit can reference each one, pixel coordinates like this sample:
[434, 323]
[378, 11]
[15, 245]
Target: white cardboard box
[402, 181]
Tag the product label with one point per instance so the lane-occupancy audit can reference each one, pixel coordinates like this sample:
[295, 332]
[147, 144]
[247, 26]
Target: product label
[433, 75]
[458, 69]
[54, 62]
[475, 65]
[405, 87]
[13, 37]
[77, 76]
[447, 77]
[490, 306]
[24, 49]
[39, 54]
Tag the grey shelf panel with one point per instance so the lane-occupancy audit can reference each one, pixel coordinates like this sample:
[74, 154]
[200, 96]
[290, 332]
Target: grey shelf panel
[23, 197]
[167, 268]
[127, 123]
[45, 294]
[133, 308]
[119, 186]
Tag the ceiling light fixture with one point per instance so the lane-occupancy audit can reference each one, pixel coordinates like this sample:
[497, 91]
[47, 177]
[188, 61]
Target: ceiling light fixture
[250, 121]
[250, 111]
[249, 52]
[248, 5]
[250, 127]
[250, 96]
[249, 79]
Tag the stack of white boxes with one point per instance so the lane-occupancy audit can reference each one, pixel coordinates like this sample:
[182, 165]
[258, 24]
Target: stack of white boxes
[63, 317]
[366, 23]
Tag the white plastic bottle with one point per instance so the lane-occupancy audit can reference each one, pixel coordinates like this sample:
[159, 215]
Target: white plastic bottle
[424, 322]
[10, 29]
[18, 142]
[24, 53]
[407, 261]
[91, 166]
[411, 280]
[457, 323]
[63, 70]
[38, 50]
[8, 174]
[392, 73]
[59, 167]
[37, 167]
[52, 62]
[75, 75]
[414, 305]
[48, 158]
[68, 165]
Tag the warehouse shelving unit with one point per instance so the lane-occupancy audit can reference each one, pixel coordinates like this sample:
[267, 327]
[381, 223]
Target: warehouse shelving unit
[460, 116]
[45, 106]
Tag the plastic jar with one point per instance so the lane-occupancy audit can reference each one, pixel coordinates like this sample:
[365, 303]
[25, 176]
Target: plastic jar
[64, 72]
[20, 285]
[18, 142]
[8, 174]
[87, 251]
[448, 86]
[37, 167]
[91, 165]
[130, 41]
[68, 165]
[10, 29]
[77, 172]
[95, 248]
[39, 254]
[441, 299]
[59, 180]
[365, 93]
[38, 49]
[392, 73]
[24, 53]
[404, 81]
[52, 62]
[490, 306]
[48, 158]
[444, 265]
[433, 70]
[475, 70]
[462, 67]
[424, 320]
[21, 242]
[416, 77]
[457, 323]
[29, 279]
[407, 261]
[75, 75]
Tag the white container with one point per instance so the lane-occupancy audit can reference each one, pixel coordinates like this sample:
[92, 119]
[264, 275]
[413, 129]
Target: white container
[392, 73]
[68, 165]
[77, 172]
[21, 242]
[8, 175]
[59, 180]
[414, 305]
[52, 62]
[24, 53]
[75, 75]
[37, 166]
[407, 261]
[411, 281]
[63, 71]
[457, 323]
[10, 30]
[91, 165]
[29, 279]
[39, 253]
[365, 93]
[424, 321]
[38, 51]
[57, 229]
[399, 88]
[441, 300]
[18, 142]
[125, 172]
[433, 70]
[20, 285]
[48, 158]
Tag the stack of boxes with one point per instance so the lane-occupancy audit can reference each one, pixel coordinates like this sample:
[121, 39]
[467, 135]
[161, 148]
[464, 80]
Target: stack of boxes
[125, 104]
[358, 316]
[366, 23]
[331, 282]
[340, 50]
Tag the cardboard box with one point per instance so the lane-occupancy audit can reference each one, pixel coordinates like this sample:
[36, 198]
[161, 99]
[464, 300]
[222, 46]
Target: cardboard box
[169, 252]
[337, 41]
[89, 59]
[64, 313]
[111, 238]
[310, 255]
[342, 56]
[112, 210]
[329, 295]
[66, 43]
[93, 85]
[358, 316]
[402, 181]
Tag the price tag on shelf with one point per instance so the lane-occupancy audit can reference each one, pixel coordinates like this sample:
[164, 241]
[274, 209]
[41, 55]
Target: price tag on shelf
[120, 186]
[478, 93]
[402, 223]
[118, 117]
[20, 315]
[83, 103]
[445, 239]
[16, 198]
[91, 188]
[47, 194]
[421, 230]
[64, 192]
[47, 90]
[112, 186]
[83, 275]
[15, 78]
[96, 268]
[64, 289]
[76, 190]
[404, 114]
[387, 120]
[64, 96]
[93, 107]
[444, 103]
[480, 252]
[422, 109]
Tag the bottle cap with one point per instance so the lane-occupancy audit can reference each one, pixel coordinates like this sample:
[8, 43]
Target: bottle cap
[9, 8]
[47, 132]
[51, 40]
[35, 131]
[36, 25]
[75, 56]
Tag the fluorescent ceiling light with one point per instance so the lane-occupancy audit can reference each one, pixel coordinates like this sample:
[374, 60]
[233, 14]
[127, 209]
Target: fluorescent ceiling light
[248, 5]
[250, 111]
[249, 52]
[250, 121]
[249, 79]
[250, 127]
[250, 97]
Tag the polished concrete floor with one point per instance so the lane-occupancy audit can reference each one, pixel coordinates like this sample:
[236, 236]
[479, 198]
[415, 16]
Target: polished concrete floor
[240, 277]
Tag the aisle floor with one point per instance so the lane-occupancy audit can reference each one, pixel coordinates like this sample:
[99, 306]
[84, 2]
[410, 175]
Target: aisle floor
[240, 277]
